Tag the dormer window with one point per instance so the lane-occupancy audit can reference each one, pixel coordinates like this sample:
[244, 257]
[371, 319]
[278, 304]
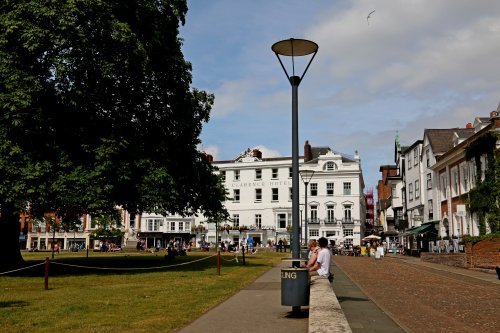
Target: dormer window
[330, 166]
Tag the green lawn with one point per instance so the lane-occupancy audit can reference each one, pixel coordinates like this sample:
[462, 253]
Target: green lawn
[91, 300]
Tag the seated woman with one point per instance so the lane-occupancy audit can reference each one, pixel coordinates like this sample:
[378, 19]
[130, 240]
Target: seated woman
[313, 248]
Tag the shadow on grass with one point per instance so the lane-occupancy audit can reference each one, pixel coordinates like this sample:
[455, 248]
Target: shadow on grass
[13, 304]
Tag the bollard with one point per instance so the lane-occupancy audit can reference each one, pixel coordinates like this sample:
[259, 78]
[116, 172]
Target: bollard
[47, 273]
[218, 262]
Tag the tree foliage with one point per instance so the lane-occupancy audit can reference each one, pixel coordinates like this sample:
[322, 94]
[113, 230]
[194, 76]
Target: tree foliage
[484, 197]
[97, 110]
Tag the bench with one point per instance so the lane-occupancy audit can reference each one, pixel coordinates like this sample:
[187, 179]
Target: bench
[325, 313]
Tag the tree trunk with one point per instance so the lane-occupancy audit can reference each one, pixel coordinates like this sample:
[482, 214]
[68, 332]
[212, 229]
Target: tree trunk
[9, 246]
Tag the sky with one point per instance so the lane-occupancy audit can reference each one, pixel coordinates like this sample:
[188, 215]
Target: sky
[414, 64]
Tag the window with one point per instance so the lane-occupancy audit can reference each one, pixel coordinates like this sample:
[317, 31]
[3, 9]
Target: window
[427, 158]
[275, 196]
[290, 172]
[430, 209]
[330, 213]
[258, 221]
[236, 195]
[409, 162]
[417, 189]
[314, 214]
[153, 224]
[290, 193]
[444, 185]
[172, 226]
[313, 233]
[258, 173]
[465, 178]
[236, 174]
[347, 213]
[394, 192]
[236, 220]
[329, 189]
[454, 179]
[258, 195]
[348, 232]
[282, 221]
[410, 192]
[347, 188]
[131, 221]
[330, 166]
[223, 175]
[181, 226]
[415, 156]
[429, 181]
[274, 174]
[187, 226]
[314, 189]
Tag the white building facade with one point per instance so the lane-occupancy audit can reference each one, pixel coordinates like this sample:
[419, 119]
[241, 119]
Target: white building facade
[261, 198]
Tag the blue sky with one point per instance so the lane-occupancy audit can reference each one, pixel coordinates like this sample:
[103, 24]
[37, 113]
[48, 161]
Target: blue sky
[416, 64]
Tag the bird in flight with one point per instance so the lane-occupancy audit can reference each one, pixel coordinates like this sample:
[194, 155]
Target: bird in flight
[369, 16]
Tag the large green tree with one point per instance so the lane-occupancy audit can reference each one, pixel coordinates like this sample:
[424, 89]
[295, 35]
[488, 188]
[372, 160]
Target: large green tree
[97, 110]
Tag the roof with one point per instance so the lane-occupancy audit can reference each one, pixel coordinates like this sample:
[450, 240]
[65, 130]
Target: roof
[441, 140]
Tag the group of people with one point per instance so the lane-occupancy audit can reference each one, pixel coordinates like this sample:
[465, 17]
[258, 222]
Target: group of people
[319, 258]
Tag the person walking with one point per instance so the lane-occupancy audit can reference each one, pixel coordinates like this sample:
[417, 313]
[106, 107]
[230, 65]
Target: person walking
[322, 265]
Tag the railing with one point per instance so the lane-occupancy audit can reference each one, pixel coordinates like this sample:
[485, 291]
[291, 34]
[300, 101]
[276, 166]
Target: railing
[347, 221]
[330, 221]
[313, 221]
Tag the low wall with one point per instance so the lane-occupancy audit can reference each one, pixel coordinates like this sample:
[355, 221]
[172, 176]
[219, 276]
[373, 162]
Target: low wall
[325, 313]
[449, 259]
[483, 254]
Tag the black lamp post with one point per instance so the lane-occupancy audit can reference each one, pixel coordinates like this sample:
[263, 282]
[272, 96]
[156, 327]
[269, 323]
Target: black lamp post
[306, 176]
[295, 48]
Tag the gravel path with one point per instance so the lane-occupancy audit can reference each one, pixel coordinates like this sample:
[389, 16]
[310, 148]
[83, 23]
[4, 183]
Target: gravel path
[424, 299]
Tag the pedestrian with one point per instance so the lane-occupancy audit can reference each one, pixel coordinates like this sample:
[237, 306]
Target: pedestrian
[280, 244]
[322, 265]
[312, 255]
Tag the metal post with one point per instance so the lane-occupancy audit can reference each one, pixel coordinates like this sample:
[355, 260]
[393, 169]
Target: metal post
[305, 222]
[295, 246]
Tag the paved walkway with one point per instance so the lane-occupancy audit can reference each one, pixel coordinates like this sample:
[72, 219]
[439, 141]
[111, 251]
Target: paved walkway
[258, 307]
[363, 315]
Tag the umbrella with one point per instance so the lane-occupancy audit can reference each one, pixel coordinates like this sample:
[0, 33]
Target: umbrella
[371, 237]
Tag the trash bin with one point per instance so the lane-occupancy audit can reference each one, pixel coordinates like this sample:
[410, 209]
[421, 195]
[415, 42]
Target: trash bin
[295, 286]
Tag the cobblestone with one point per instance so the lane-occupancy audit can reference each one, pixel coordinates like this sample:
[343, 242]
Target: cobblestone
[423, 299]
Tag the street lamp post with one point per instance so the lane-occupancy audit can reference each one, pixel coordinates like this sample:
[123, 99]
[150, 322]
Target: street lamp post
[306, 176]
[295, 48]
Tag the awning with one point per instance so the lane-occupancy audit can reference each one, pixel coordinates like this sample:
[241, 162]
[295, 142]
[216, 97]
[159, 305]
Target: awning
[421, 229]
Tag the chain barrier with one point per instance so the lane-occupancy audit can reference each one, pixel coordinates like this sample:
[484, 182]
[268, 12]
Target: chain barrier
[21, 269]
[131, 268]
[234, 259]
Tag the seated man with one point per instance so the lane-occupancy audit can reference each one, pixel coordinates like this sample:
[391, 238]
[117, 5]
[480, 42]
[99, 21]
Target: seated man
[322, 265]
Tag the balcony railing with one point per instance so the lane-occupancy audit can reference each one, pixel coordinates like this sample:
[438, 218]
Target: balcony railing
[313, 221]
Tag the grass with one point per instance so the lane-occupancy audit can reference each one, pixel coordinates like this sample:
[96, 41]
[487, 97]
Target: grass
[90, 300]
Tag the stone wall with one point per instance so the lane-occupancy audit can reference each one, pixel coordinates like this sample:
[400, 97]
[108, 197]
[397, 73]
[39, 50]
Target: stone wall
[484, 254]
[450, 259]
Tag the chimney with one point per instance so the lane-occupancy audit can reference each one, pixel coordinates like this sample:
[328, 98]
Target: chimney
[210, 158]
[469, 125]
[257, 154]
[307, 152]
[494, 114]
